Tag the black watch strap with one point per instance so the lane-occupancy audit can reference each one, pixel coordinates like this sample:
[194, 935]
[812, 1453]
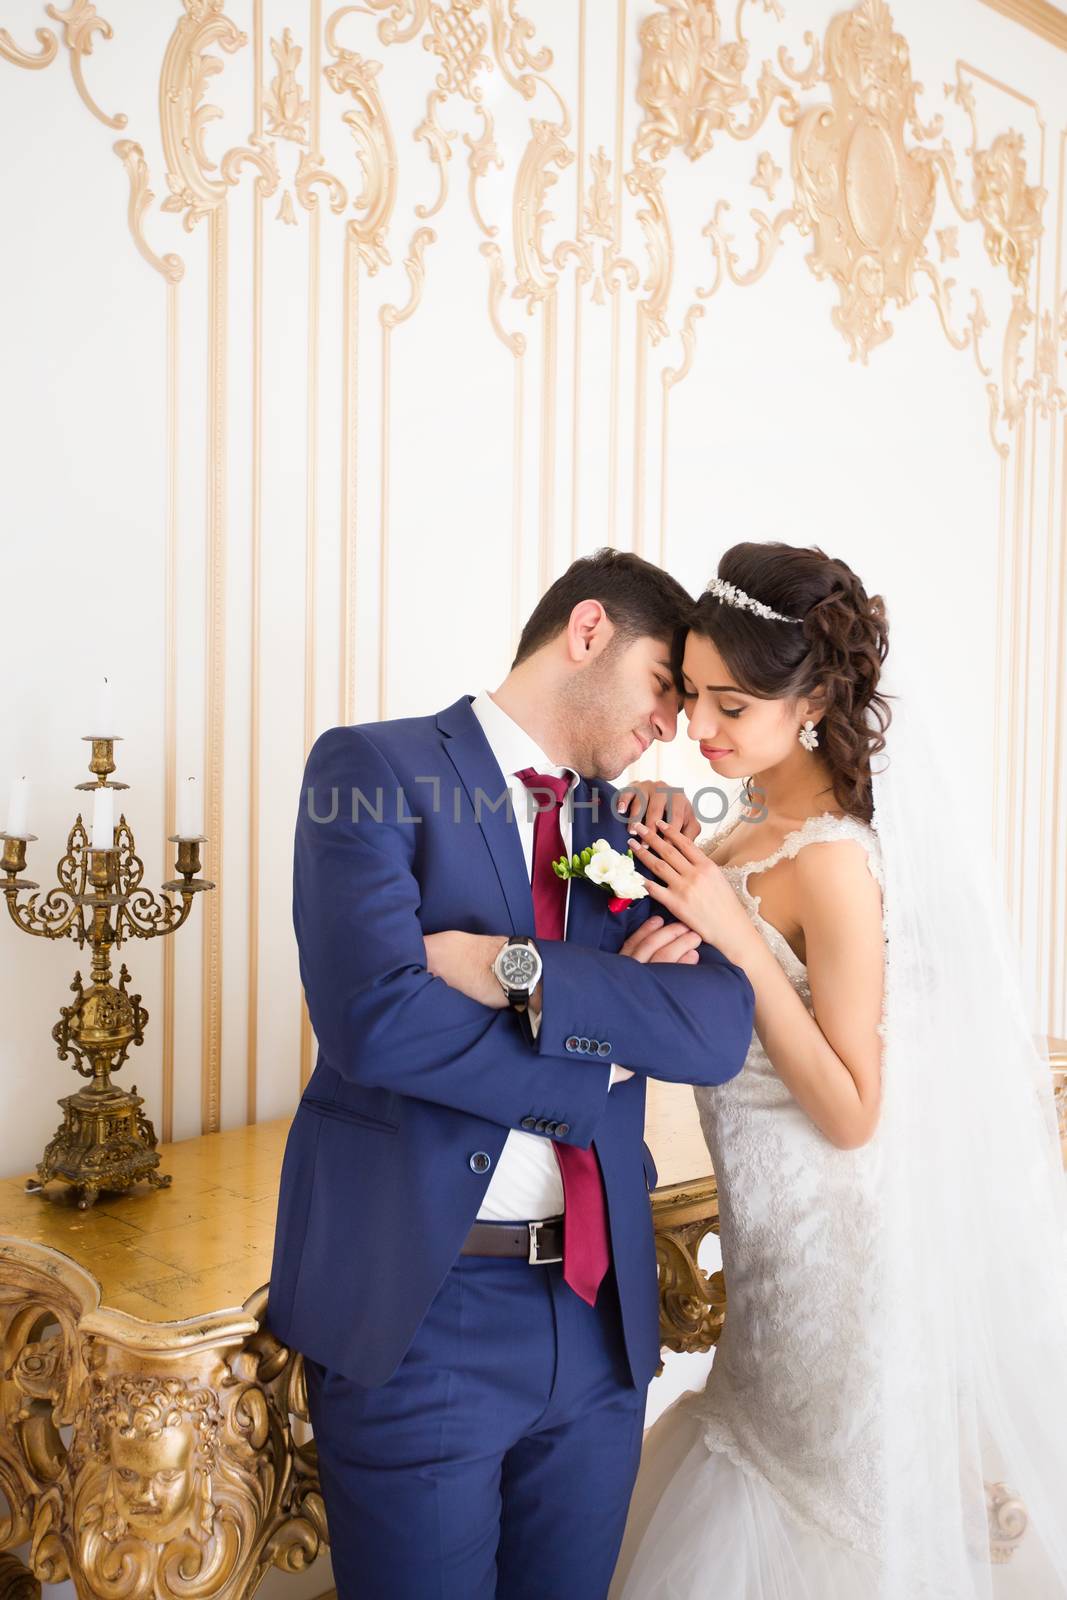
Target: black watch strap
[518, 999]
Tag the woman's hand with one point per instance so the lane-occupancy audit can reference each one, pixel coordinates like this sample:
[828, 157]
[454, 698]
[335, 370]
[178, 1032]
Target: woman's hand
[694, 889]
[657, 940]
[464, 961]
[648, 801]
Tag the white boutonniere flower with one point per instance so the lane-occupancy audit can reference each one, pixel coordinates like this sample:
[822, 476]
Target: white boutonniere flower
[609, 869]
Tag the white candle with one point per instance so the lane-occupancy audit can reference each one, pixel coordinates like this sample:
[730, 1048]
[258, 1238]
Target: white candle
[103, 836]
[16, 809]
[190, 813]
[104, 721]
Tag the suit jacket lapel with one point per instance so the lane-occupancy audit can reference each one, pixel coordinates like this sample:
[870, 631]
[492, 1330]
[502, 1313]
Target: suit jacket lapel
[468, 750]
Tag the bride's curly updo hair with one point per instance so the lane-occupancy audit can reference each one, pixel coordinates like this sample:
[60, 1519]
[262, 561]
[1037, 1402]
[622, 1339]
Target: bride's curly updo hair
[839, 648]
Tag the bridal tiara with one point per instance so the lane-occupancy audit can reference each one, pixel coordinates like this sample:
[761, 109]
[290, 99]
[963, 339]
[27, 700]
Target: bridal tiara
[726, 593]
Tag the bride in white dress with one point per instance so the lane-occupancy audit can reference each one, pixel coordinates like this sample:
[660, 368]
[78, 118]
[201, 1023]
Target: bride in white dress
[886, 1413]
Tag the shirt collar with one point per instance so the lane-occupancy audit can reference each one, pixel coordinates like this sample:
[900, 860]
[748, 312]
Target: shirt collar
[511, 745]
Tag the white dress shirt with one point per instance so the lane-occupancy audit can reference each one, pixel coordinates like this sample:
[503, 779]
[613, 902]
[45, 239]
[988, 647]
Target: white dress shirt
[526, 1184]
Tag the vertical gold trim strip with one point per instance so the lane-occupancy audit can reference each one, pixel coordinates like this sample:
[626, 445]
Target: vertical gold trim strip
[516, 497]
[349, 468]
[1057, 939]
[1057, 973]
[1013, 661]
[1047, 694]
[1027, 619]
[579, 226]
[215, 674]
[252, 997]
[640, 409]
[548, 442]
[170, 692]
[1048, 688]
[616, 308]
[311, 539]
[383, 524]
[664, 429]
[1000, 757]
[1031, 496]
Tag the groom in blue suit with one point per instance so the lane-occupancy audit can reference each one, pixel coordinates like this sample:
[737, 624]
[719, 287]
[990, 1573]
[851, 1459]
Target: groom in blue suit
[464, 1251]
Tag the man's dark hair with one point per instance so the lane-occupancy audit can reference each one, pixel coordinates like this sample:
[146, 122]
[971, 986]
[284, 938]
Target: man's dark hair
[641, 600]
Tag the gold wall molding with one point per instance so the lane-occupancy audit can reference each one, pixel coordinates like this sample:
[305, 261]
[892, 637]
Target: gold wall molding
[867, 188]
[869, 231]
[80, 23]
[1042, 18]
[313, 172]
[18, 57]
[129, 152]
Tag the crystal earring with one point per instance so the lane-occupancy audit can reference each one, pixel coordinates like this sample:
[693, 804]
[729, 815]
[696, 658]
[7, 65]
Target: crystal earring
[808, 736]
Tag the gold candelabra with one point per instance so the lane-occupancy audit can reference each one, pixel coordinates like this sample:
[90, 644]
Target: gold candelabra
[105, 1142]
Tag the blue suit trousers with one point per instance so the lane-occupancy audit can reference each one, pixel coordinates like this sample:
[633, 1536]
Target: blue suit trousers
[497, 1462]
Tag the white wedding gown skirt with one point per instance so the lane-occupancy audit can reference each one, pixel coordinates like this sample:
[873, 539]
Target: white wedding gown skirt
[703, 1527]
[766, 1484]
[760, 1487]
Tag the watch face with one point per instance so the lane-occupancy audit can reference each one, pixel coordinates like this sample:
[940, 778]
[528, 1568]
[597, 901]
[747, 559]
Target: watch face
[518, 966]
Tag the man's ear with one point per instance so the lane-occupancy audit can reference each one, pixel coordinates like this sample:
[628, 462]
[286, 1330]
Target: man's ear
[589, 630]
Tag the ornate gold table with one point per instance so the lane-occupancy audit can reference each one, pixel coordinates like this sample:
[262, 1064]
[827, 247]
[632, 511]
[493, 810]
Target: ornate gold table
[153, 1437]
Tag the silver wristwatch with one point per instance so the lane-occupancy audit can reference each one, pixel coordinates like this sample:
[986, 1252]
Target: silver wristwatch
[518, 971]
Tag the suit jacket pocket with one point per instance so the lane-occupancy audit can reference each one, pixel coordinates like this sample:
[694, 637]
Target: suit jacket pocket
[330, 1108]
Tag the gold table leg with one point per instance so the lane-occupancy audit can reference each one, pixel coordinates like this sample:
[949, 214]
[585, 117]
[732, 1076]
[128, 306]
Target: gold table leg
[184, 1474]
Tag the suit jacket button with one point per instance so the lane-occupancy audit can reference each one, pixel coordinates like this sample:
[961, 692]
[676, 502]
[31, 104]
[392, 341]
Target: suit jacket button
[573, 1043]
[562, 1129]
[541, 1125]
[529, 1123]
[480, 1161]
[552, 1127]
[604, 1047]
[583, 1045]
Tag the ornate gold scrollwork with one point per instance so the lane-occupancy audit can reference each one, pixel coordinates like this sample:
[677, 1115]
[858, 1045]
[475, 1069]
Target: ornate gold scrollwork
[1009, 207]
[547, 148]
[185, 115]
[10, 51]
[692, 80]
[80, 22]
[865, 196]
[692, 1305]
[350, 74]
[285, 105]
[1008, 1522]
[184, 1476]
[132, 157]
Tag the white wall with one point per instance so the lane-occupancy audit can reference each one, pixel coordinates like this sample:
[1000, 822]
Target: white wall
[264, 510]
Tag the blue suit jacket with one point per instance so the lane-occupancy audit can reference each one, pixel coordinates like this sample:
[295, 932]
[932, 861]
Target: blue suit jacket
[412, 1080]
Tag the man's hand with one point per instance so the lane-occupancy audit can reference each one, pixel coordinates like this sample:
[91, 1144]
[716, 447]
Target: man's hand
[464, 961]
[656, 940]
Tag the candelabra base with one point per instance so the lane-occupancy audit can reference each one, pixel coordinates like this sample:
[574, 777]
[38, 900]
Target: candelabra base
[106, 1143]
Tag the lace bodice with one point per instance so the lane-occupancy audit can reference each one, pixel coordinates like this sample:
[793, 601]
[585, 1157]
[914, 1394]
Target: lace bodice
[822, 829]
[791, 1393]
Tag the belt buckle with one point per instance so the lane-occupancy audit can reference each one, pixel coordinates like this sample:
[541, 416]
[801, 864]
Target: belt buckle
[535, 1258]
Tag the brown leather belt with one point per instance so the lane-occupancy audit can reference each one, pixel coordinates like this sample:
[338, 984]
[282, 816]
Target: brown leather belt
[541, 1243]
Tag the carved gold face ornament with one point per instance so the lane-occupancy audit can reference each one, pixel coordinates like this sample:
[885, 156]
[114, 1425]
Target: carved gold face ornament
[154, 1480]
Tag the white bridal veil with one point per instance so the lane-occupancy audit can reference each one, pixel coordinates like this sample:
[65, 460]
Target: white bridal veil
[973, 1286]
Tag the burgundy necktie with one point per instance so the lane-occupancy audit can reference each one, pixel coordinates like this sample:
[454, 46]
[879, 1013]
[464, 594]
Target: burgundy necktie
[586, 1252]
